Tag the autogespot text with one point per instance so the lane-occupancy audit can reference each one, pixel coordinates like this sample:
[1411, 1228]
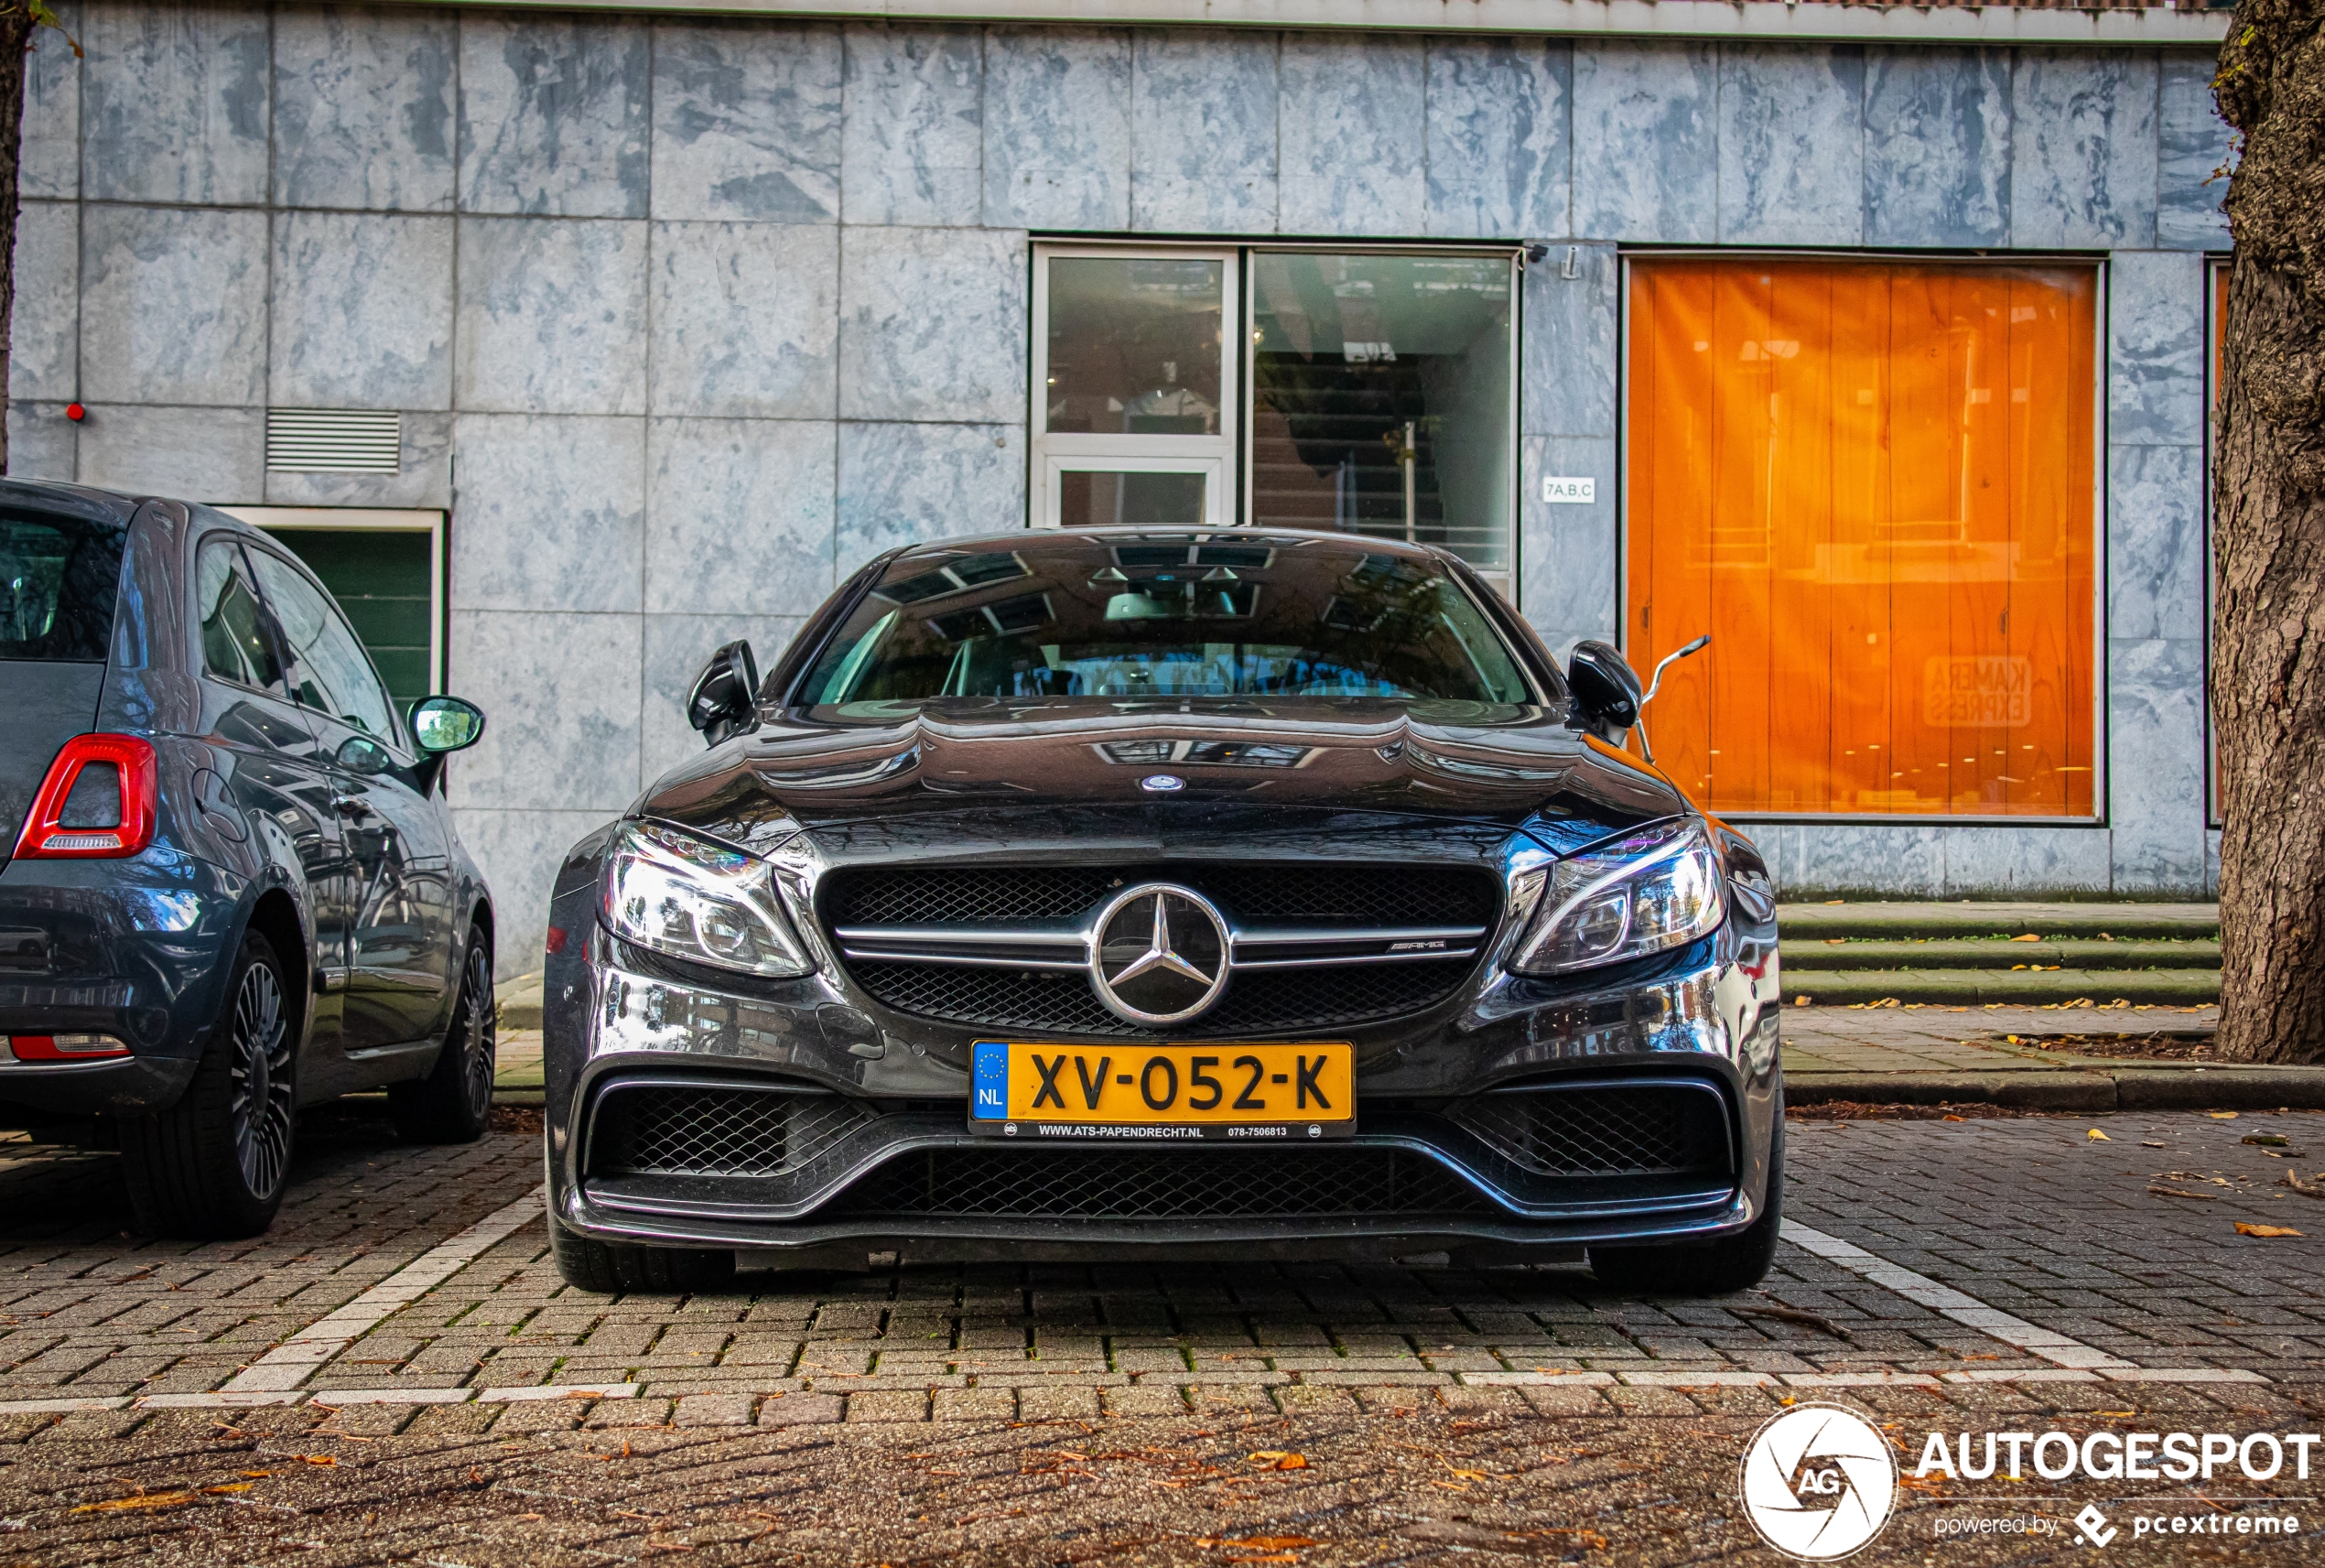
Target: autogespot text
[2116, 1455]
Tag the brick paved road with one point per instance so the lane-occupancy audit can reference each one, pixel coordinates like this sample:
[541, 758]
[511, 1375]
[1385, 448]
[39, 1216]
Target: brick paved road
[1071, 1415]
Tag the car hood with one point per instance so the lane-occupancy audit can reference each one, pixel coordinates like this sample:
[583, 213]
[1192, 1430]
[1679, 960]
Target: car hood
[1504, 765]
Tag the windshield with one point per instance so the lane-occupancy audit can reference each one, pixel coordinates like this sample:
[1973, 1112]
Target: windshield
[1159, 616]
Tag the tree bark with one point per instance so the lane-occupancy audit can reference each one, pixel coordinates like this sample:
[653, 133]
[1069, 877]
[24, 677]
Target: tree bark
[2268, 540]
[15, 37]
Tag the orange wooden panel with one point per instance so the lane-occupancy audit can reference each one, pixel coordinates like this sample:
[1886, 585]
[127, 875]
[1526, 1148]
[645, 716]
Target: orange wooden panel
[1872, 482]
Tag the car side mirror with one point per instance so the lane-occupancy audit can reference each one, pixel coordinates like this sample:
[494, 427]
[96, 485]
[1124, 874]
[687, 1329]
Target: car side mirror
[361, 755]
[1607, 691]
[722, 700]
[442, 724]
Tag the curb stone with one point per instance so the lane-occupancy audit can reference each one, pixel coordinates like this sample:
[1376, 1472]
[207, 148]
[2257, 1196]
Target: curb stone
[2125, 1088]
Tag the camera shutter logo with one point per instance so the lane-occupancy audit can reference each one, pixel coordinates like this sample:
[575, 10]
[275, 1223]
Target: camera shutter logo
[1817, 1482]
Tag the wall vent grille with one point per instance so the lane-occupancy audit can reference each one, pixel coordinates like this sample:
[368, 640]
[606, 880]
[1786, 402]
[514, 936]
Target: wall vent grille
[333, 440]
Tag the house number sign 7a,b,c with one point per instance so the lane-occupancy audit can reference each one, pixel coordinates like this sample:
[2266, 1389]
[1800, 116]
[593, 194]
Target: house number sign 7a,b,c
[1571, 491]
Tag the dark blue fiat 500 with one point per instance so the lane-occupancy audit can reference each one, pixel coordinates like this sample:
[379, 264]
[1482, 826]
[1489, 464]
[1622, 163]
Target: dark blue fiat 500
[232, 886]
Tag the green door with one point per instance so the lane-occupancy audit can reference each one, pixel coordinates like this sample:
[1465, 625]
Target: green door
[381, 578]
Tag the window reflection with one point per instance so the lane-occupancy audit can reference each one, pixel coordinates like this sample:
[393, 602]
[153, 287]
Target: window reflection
[1134, 345]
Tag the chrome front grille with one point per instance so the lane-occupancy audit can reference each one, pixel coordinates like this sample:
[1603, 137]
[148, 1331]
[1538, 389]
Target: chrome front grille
[1308, 947]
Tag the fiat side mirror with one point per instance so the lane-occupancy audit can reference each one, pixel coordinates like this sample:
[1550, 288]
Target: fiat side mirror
[720, 701]
[1607, 693]
[442, 724]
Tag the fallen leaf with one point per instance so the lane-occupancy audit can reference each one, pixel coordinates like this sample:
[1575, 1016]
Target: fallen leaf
[2244, 1229]
[1799, 1001]
[2221, 1115]
[2145, 1144]
[2029, 936]
[2267, 1140]
[143, 1500]
[2119, 1415]
[2101, 1137]
[1954, 1118]
[258, 1475]
[320, 1458]
[1450, 1486]
[1260, 1543]
[2175, 1193]
[1278, 1459]
[233, 1487]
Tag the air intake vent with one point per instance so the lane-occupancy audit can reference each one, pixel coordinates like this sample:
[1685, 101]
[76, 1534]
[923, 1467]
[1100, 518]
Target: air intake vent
[333, 440]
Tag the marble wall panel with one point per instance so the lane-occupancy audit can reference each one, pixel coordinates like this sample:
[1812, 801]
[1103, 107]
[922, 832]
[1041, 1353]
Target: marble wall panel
[1569, 552]
[2155, 348]
[553, 114]
[1830, 860]
[1500, 147]
[2212, 862]
[677, 647]
[2155, 542]
[423, 477]
[746, 320]
[746, 121]
[905, 484]
[362, 311]
[1791, 145]
[552, 316]
[741, 513]
[931, 325]
[552, 513]
[2083, 149]
[1354, 129]
[571, 743]
[42, 443]
[174, 102]
[1203, 133]
[2156, 765]
[363, 103]
[2193, 147]
[2027, 863]
[1937, 147]
[1569, 344]
[48, 157]
[173, 305]
[911, 143]
[1646, 142]
[519, 852]
[215, 455]
[1057, 128]
[44, 329]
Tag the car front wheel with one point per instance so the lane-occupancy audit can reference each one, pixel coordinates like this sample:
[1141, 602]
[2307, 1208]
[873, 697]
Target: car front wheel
[611, 1270]
[454, 1103]
[214, 1165]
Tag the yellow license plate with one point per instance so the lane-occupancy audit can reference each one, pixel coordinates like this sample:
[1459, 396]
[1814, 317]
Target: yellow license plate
[1162, 1093]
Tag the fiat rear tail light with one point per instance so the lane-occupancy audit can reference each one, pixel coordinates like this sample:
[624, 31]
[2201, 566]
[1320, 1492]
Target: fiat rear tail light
[97, 803]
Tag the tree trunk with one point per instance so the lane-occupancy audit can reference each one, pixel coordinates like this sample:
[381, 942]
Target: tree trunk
[2268, 538]
[16, 36]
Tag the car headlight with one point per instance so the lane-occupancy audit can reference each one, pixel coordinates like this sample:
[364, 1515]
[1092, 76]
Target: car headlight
[674, 893]
[1644, 893]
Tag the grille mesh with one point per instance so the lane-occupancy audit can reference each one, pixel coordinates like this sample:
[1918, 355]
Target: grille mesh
[672, 1132]
[1256, 1000]
[1647, 1130]
[1109, 1183]
[1372, 894]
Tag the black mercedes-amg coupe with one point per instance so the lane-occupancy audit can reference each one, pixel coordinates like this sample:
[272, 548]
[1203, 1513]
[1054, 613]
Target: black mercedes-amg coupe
[1146, 893]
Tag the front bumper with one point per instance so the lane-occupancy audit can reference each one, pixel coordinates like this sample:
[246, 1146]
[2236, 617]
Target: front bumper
[133, 948]
[889, 1095]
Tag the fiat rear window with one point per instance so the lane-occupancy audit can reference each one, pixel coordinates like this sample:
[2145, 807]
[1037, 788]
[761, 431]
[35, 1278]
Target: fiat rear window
[58, 578]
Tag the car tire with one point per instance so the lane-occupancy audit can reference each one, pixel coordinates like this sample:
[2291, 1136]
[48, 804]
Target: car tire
[454, 1103]
[610, 1270]
[1732, 1263]
[214, 1166]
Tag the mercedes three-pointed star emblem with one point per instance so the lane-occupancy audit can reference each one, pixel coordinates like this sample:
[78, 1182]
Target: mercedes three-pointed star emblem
[1159, 954]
